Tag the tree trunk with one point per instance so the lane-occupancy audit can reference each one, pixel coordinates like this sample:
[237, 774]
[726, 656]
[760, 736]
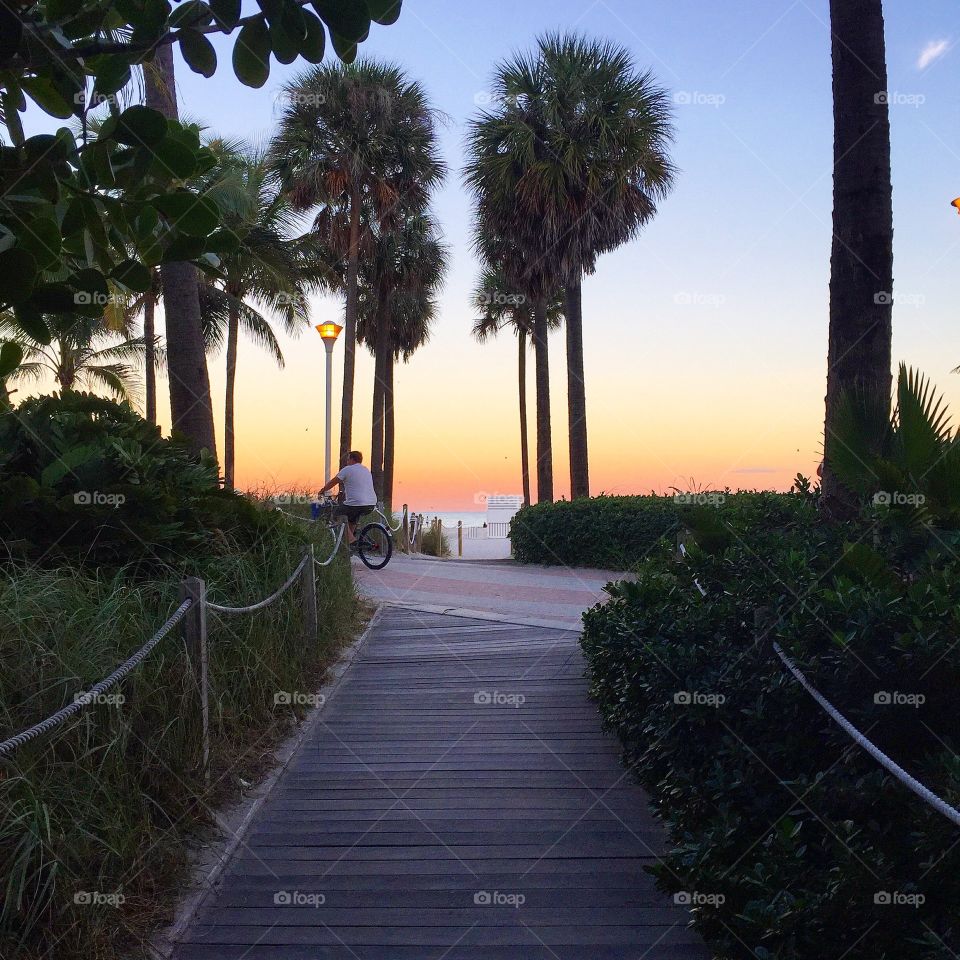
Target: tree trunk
[150, 355]
[524, 442]
[576, 393]
[233, 338]
[389, 434]
[381, 348]
[544, 440]
[191, 408]
[350, 326]
[861, 263]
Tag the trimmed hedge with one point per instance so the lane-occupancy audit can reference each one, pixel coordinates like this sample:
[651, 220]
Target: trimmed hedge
[792, 842]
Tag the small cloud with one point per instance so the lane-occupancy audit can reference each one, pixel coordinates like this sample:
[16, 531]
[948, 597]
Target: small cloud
[932, 52]
[755, 470]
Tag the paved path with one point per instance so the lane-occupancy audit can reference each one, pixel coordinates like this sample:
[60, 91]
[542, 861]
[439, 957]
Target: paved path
[455, 800]
[551, 596]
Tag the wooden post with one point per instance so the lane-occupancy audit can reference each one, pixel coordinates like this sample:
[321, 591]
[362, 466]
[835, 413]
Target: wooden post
[405, 539]
[308, 587]
[459, 538]
[195, 641]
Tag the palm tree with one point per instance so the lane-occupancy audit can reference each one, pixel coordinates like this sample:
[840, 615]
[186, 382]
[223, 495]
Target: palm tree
[191, 406]
[861, 264]
[500, 309]
[82, 352]
[356, 139]
[399, 285]
[572, 163]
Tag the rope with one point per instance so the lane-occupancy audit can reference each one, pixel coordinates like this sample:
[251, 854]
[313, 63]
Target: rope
[263, 603]
[891, 766]
[938, 804]
[336, 547]
[13, 743]
[386, 520]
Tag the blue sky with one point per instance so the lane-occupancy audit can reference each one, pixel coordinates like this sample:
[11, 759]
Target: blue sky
[711, 329]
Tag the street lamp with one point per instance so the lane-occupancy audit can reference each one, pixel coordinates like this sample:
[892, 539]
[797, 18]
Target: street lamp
[328, 334]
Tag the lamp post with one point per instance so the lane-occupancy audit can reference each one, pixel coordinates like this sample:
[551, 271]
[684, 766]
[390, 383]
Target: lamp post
[328, 334]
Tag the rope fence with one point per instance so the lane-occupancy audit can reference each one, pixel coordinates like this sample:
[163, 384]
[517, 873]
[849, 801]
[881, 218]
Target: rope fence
[855, 734]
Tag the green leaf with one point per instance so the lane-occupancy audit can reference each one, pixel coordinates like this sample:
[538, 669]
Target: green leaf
[226, 12]
[173, 159]
[31, 322]
[223, 241]
[41, 238]
[285, 44]
[10, 356]
[384, 11]
[54, 298]
[251, 53]
[18, 274]
[183, 248]
[349, 19]
[198, 51]
[190, 213]
[45, 94]
[141, 126]
[314, 40]
[11, 32]
[133, 275]
[346, 50]
[193, 12]
[112, 74]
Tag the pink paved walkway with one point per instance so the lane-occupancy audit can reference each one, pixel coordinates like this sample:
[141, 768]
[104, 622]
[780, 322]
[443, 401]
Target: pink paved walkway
[552, 596]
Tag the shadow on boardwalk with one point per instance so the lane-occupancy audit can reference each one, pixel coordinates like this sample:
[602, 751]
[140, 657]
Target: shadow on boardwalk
[455, 800]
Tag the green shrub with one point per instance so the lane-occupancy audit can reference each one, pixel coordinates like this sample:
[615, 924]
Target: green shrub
[787, 830]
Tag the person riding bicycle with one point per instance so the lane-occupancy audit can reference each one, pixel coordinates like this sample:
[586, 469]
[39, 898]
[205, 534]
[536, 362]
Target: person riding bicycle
[359, 496]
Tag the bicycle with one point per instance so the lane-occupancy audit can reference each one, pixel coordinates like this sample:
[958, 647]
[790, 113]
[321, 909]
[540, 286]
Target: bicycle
[373, 544]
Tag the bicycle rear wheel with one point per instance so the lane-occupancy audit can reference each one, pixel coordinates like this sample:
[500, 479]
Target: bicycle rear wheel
[374, 545]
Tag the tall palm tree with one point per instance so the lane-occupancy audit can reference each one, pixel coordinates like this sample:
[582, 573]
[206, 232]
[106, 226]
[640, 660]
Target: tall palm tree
[861, 264]
[500, 309]
[191, 405]
[356, 139]
[573, 162]
[399, 285]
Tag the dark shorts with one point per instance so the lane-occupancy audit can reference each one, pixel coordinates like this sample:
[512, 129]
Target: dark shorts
[353, 514]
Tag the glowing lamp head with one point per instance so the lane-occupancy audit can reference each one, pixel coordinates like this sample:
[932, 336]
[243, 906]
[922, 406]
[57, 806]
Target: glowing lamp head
[956, 203]
[329, 331]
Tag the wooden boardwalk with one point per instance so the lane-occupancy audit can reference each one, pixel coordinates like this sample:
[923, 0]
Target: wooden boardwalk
[457, 800]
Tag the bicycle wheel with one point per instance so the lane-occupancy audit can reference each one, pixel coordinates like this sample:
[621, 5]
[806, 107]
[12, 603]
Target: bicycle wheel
[374, 545]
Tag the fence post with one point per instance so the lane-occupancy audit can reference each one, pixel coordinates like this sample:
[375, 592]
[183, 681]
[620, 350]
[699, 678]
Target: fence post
[459, 538]
[308, 586]
[405, 540]
[195, 641]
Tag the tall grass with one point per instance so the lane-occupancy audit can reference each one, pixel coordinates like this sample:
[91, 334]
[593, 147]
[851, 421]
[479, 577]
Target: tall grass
[94, 816]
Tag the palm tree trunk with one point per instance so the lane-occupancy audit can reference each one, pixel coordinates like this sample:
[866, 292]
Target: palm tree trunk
[861, 264]
[576, 393]
[150, 355]
[544, 439]
[233, 338]
[191, 407]
[350, 326]
[524, 442]
[381, 348]
[389, 434]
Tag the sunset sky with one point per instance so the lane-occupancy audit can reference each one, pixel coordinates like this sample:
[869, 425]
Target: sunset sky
[706, 339]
